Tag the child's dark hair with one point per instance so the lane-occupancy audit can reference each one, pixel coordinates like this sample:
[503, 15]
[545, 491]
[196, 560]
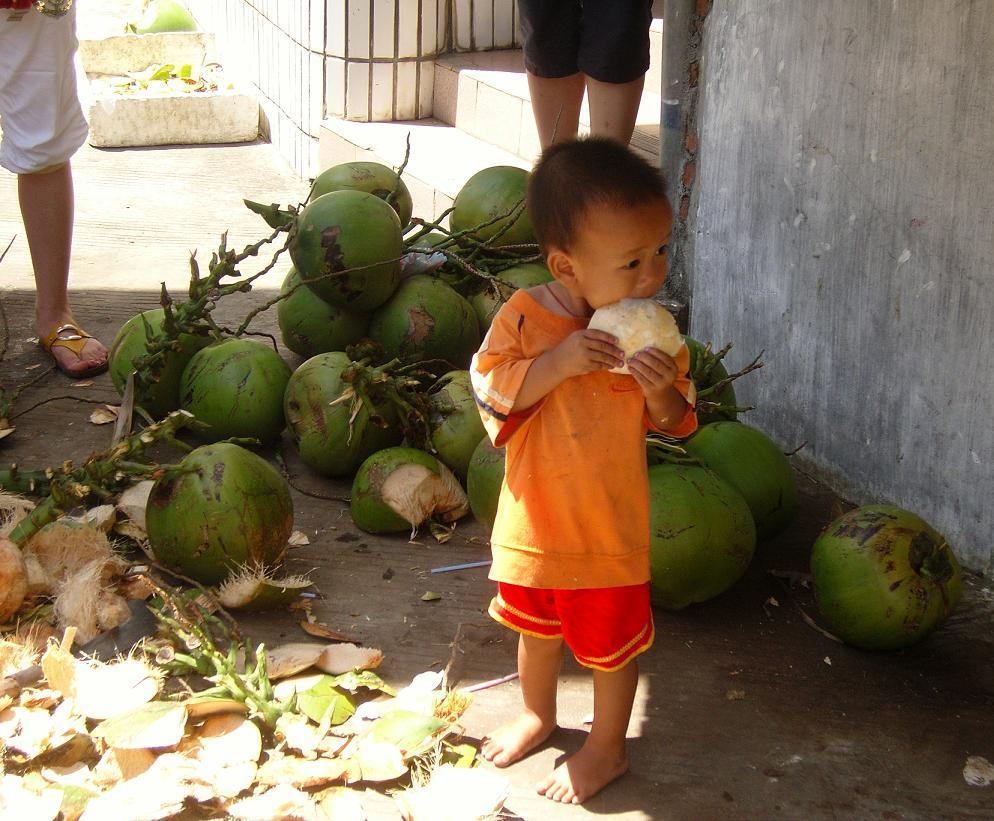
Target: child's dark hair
[572, 176]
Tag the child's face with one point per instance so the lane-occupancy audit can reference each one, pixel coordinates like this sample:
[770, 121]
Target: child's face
[618, 253]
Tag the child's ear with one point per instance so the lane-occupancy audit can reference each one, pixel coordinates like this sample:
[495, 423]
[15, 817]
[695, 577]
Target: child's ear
[561, 266]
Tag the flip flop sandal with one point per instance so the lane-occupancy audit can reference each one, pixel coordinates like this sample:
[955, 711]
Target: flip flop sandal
[74, 342]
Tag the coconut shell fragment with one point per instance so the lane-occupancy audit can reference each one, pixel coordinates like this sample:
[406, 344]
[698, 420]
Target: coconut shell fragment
[343, 658]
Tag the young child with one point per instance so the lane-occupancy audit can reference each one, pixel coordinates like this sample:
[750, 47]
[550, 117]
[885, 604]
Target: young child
[571, 538]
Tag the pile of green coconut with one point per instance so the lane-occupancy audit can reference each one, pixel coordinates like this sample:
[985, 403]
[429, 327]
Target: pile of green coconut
[385, 310]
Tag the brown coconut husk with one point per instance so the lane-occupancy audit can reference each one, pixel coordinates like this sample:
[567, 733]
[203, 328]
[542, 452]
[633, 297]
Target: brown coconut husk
[63, 549]
[87, 601]
[13, 508]
[13, 580]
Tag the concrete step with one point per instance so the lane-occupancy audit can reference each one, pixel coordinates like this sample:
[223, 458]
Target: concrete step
[486, 95]
[442, 157]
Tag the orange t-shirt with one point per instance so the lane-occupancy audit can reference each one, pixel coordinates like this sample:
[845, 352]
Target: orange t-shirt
[574, 506]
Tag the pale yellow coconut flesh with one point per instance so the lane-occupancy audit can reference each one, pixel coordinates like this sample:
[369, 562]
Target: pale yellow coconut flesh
[109, 690]
[416, 493]
[455, 794]
[638, 324]
[18, 801]
[13, 580]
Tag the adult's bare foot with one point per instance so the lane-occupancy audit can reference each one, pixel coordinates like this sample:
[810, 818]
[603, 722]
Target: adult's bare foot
[517, 738]
[584, 774]
[75, 352]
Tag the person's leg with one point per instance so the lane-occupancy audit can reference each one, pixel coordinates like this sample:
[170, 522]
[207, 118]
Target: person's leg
[538, 667]
[602, 757]
[614, 108]
[614, 56]
[46, 200]
[550, 34]
[556, 105]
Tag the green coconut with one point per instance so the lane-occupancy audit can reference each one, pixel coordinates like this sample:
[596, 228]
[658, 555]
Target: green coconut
[487, 302]
[131, 343]
[310, 326]
[751, 463]
[231, 509]
[707, 370]
[398, 489]
[487, 195]
[484, 478]
[333, 438]
[454, 421]
[701, 535]
[883, 577]
[347, 230]
[236, 387]
[160, 16]
[427, 320]
[373, 178]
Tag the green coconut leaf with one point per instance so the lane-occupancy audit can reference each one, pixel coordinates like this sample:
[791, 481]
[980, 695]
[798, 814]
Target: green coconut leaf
[353, 680]
[156, 724]
[325, 699]
[405, 729]
[163, 72]
[274, 216]
[459, 755]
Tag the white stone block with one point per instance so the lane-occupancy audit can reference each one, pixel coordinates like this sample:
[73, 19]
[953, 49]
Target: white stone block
[483, 24]
[334, 87]
[179, 119]
[357, 91]
[335, 36]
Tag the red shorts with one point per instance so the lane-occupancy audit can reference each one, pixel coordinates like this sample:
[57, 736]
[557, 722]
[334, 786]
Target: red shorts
[604, 627]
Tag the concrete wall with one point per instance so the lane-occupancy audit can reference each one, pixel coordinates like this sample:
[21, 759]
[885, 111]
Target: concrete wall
[843, 219]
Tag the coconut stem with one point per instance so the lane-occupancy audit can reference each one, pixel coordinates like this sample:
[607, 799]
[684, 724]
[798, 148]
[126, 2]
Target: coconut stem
[102, 474]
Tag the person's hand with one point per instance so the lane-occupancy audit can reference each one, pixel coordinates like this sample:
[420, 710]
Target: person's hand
[586, 351]
[654, 371]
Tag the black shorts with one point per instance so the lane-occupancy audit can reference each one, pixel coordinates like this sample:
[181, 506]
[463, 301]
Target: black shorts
[605, 39]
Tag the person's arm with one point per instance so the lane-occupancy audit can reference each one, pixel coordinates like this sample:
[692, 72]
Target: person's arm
[581, 352]
[656, 373]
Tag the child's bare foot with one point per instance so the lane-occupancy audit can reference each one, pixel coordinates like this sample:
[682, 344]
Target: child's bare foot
[584, 774]
[517, 738]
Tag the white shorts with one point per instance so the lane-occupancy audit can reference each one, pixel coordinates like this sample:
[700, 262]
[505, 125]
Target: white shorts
[41, 120]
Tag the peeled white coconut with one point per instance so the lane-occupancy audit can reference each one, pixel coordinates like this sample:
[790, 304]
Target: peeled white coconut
[454, 794]
[638, 324]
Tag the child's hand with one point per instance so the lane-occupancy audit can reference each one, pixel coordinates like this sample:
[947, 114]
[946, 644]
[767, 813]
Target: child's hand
[585, 351]
[654, 371]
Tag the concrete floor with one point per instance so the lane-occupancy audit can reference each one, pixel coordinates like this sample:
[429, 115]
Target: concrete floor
[744, 711]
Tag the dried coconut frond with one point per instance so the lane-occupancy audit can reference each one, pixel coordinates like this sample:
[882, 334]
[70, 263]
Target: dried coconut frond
[83, 600]
[342, 658]
[452, 705]
[282, 801]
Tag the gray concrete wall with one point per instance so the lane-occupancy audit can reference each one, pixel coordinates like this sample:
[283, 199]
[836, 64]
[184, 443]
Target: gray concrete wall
[843, 219]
